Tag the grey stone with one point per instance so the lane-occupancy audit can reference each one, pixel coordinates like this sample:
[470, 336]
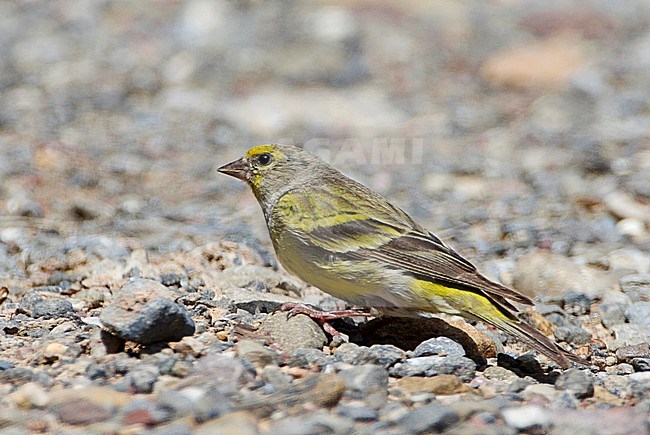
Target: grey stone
[628, 334]
[143, 377]
[462, 367]
[385, 355]
[368, 383]
[228, 374]
[639, 313]
[312, 423]
[275, 376]
[641, 364]
[433, 417]
[6, 365]
[48, 308]
[144, 311]
[293, 332]
[637, 287]
[358, 413]
[306, 357]
[572, 334]
[611, 314]
[256, 354]
[550, 276]
[442, 346]
[578, 382]
[576, 303]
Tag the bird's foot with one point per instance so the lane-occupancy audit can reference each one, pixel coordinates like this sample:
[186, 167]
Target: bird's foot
[324, 317]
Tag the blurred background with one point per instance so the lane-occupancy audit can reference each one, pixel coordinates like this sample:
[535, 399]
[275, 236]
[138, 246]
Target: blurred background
[504, 126]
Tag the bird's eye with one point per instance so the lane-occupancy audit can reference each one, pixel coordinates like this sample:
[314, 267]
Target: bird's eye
[265, 159]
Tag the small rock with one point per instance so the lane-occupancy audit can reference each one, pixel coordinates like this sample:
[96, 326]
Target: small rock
[143, 377]
[368, 383]
[5, 365]
[385, 355]
[144, 412]
[312, 423]
[275, 376]
[641, 364]
[305, 358]
[48, 308]
[230, 374]
[611, 314]
[639, 313]
[637, 287]
[238, 422]
[577, 382]
[628, 353]
[256, 354]
[546, 275]
[498, 373]
[441, 346]
[188, 346]
[462, 367]
[440, 385]
[358, 412]
[572, 334]
[527, 417]
[81, 412]
[628, 334]
[255, 301]
[144, 311]
[292, 333]
[576, 303]
[545, 390]
[30, 395]
[54, 350]
[433, 417]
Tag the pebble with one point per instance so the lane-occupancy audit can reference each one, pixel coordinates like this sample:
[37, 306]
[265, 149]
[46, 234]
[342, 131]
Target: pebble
[637, 287]
[368, 383]
[611, 314]
[628, 353]
[572, 334]
[46, 308]
[527, 417]
[256, 354]
[441, 346]
[144, 311]
[433, 417]
[639, 313]
[439, 385]
[462, 367]
[294, 332]
[305, 357]
[81, 412]
[30, 395]
[577, 382]
[628, 334]
[238, 422]
[550, 276]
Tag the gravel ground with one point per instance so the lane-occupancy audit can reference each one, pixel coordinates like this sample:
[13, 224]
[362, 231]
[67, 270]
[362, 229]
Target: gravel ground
[138, 289]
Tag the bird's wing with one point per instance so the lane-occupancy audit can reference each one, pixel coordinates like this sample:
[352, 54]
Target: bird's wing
[347, 225]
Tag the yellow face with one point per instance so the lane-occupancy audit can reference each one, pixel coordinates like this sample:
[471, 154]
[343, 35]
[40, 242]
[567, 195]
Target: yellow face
[256, 163]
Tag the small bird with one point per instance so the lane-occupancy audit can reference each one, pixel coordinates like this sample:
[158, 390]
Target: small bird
[338, 235]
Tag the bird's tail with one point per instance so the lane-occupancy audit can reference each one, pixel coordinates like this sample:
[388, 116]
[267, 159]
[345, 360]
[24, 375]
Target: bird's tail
[536, 340]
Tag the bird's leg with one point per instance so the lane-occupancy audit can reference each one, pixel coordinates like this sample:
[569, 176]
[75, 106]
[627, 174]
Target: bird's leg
[324, 317]
[297, 308]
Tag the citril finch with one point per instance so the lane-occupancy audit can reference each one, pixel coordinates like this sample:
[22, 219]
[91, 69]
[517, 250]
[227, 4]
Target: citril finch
[350, 242]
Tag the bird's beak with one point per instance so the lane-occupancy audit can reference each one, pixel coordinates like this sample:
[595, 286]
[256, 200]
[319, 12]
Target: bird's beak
[238, 169]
